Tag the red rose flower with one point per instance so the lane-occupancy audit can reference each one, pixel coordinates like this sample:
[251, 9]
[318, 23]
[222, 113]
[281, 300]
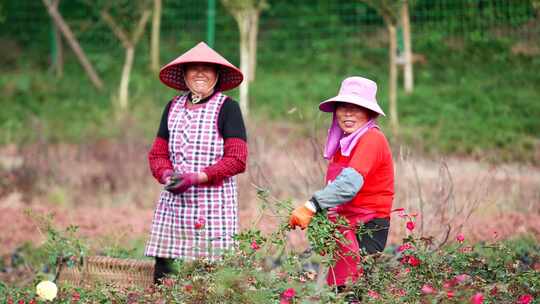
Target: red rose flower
[410, 225]
[289, 293]
[287, 296]
[199, 224]
[525, 299]
[411, 260]
[75, 297]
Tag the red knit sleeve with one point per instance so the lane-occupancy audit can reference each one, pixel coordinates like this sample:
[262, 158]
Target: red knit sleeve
[233, 162]
[158, 158]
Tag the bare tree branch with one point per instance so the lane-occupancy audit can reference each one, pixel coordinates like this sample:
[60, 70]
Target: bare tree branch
[140, 26]
[117, 30]
[74, 44]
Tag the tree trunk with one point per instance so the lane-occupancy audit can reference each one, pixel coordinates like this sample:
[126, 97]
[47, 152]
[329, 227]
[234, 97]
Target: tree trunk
[156, 20]
[253, 32]
[129, 45]
[124, 81]
[243, 26]
[408, 76]
[392, 81]
[72, 41]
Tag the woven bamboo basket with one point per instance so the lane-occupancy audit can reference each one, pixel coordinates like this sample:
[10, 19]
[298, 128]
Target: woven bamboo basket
[122, 273]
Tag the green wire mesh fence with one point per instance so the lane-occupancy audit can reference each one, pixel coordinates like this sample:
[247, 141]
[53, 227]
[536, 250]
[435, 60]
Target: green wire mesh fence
[305, 27]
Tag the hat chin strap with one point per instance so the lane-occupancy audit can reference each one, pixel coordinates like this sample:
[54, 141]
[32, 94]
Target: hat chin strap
[196, 97]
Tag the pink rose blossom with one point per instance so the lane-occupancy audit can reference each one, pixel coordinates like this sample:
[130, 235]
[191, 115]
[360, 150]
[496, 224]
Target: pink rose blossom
[410, 225]
[254, 245]
[427, 289]
[462, 278]
[288, 294]
[477, 298]
[373, 294]
[404, 247]
[525, 299]
[450, 294]
[460, 238]
[75, 297]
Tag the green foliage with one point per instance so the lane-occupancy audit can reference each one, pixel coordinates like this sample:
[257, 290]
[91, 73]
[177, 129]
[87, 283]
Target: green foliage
[63, 248]
[417, 272]
[324, 235]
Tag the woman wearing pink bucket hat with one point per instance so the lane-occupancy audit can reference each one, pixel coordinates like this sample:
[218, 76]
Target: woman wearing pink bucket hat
[360, 177]
[199, 148]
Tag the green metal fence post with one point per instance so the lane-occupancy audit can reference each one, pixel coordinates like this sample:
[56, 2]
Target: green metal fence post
[52, 41]
[211, 23]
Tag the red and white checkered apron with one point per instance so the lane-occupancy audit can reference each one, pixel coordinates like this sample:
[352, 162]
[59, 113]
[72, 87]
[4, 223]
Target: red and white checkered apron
[194, 144]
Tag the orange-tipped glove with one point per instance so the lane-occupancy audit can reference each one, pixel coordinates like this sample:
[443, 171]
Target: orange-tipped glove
[302, 216]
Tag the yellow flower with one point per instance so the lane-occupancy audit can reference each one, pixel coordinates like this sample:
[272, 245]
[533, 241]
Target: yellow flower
[46, 290]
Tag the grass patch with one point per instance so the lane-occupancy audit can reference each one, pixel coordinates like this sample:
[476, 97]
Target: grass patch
[478, 100]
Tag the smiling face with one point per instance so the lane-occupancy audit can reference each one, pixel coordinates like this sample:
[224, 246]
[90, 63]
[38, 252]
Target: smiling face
[351, 117]
[200, 78]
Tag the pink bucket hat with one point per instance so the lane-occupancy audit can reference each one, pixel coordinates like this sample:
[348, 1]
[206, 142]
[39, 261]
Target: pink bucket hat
[356, 90]
[172, 74]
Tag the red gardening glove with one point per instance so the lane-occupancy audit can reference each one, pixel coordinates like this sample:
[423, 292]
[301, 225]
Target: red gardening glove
[301, 217]
[179, 183]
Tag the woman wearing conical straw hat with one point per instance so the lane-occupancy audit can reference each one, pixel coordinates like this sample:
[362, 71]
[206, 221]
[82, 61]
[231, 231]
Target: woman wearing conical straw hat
[200, 147]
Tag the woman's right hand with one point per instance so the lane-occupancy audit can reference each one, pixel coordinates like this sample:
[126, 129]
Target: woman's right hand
[179, 183]
[166, 176]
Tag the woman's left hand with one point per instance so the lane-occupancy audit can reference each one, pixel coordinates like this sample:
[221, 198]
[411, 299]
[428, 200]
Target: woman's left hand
[301, 217]
[179, 183]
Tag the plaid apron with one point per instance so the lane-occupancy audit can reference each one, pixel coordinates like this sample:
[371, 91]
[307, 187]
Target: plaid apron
[194, 144]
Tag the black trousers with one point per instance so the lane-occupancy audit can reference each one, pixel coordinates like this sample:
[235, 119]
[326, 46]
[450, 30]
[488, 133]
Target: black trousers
[376, 240]
[162, 268]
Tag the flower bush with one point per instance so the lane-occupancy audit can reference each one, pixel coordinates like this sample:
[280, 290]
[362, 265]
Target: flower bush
[264, 269]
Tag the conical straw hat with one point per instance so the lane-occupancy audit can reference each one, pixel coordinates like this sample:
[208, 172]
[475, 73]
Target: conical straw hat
[172, 74]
